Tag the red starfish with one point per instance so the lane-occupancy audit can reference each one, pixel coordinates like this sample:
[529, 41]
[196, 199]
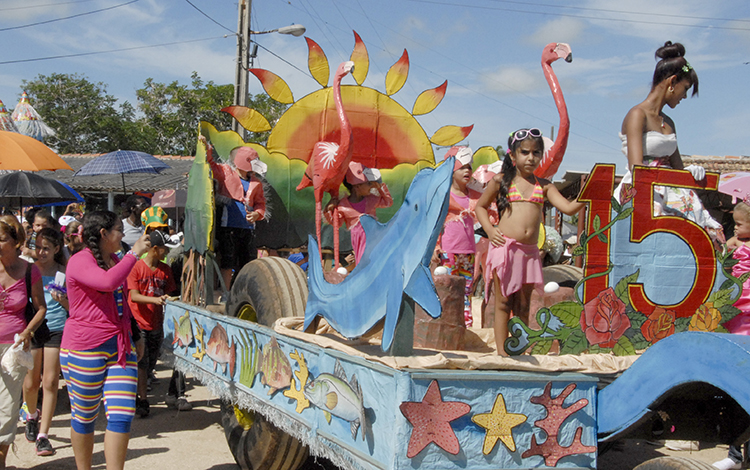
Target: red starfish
[431, 419]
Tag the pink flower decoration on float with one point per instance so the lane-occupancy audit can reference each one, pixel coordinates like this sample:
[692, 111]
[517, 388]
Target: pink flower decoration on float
[603, 319]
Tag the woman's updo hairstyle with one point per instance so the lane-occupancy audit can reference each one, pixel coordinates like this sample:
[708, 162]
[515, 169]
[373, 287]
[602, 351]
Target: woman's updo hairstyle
[93, 223]
[672, 62]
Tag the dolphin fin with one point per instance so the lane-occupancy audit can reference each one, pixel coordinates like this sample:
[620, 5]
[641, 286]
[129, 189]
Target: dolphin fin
[315, 273]
[394, 297]
[374, 230]
[422, 290]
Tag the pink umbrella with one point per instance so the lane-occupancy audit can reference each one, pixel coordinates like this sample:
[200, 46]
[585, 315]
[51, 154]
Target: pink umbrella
[735, 184]
[169, 198]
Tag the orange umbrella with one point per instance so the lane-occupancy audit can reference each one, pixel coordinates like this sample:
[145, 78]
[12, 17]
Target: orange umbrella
[20, 152]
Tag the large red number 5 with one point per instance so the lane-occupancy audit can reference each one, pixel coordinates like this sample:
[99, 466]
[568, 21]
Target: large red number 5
[644, 223]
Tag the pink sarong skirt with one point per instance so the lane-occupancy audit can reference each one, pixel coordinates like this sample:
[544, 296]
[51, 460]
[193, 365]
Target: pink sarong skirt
[515, 264]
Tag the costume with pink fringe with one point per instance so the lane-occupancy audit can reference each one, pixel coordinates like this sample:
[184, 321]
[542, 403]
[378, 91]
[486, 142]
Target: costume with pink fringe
[741, 323]
[349, 213]
[515, 264]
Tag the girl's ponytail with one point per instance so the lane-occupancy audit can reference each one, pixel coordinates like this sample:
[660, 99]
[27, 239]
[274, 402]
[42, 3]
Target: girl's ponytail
[509, 172]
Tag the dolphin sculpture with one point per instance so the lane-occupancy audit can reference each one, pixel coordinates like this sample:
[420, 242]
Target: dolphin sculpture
[396, 261]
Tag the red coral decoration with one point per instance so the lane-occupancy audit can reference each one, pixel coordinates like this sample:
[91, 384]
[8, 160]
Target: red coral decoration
[551, 449]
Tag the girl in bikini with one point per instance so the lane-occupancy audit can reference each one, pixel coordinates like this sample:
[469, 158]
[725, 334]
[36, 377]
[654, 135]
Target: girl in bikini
[514, 267]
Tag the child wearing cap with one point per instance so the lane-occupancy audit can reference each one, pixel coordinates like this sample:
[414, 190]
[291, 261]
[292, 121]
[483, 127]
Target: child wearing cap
[456, 247]
[367, 192]
[149, 284]
[243, 202]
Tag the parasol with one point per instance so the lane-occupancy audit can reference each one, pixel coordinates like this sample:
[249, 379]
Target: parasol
[20, 152]
[28, 120]
[6, 120]
[735, 184]
[21, 188]
[120, 162]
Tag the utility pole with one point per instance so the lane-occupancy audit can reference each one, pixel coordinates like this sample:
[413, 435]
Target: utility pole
[241, 74]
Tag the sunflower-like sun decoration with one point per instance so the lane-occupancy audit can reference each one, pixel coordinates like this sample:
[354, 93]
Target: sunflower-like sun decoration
[386, 135]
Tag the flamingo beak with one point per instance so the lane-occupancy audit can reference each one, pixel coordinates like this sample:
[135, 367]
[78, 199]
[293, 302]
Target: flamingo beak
[569, 58]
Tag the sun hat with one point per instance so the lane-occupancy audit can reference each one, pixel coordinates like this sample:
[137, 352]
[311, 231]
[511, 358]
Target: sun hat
[358, 174]
[464, 156]
[154, 217]
[246, 159]
[65, 220]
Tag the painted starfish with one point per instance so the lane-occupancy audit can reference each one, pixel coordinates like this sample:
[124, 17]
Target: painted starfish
[431, 421]
[499, 425]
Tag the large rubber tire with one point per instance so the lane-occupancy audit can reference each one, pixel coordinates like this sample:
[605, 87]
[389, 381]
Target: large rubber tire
[263, 291]
[674, 463]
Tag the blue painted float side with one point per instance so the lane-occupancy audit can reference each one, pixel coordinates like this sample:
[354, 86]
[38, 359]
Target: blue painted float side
[714, 358]
[387, 431]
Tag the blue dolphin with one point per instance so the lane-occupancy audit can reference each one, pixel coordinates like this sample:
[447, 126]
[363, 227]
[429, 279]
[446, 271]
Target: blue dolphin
[396, 261]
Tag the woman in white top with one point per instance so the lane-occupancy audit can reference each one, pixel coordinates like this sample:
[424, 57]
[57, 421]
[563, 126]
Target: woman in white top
[648, 138]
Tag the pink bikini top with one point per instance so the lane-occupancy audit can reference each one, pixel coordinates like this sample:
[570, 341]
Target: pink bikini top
[537, 196]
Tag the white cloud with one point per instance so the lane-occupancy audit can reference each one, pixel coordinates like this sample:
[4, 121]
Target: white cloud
[512, 80]
[563, 29]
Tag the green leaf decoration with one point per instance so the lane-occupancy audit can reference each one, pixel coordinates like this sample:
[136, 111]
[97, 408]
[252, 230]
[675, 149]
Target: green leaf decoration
[681, 324]
[602, 238]
[744, 277]
[616, 205]
[568, 312]
[542, 347]
[637, 319]
[729, 261]
[578, 251]
[575, 344]
[597, 223]
[639, 342]
[623, 347]
[625, 214]
[621, 289]
[721, 297]
[721, 329]
[728, 312]
[728, 284]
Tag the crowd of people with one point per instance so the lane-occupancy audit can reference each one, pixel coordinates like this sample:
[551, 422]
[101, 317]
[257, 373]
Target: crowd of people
[85, 295]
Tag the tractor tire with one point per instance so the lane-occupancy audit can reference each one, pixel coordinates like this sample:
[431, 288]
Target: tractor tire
[264, 290]
[674, 463]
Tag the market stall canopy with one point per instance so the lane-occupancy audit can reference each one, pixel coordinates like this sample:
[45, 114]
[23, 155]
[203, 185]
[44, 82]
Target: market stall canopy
[736, 184]
[20, 152]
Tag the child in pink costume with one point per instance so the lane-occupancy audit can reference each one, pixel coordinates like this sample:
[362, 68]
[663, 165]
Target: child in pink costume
[456, 247]
[513, 263]
[366, 193]
[740, 242]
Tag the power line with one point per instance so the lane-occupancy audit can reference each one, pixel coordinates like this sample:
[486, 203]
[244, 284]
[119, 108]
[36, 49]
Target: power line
[605, 10]
[621, 20]
[206, 15]
[40, 5]
[307, 74]
[68, 17]
[80, 54]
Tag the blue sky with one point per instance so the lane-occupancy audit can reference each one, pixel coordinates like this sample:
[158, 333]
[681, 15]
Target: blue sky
[488, 50]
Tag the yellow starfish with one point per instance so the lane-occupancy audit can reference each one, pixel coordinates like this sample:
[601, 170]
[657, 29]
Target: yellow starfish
[200, 342]
[499, 425]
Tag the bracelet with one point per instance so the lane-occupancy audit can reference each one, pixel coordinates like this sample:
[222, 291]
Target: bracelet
[131, 252]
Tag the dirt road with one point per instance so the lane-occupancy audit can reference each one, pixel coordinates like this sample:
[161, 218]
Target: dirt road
[194, 440]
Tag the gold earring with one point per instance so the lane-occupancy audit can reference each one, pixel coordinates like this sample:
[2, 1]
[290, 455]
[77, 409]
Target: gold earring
[671, 89]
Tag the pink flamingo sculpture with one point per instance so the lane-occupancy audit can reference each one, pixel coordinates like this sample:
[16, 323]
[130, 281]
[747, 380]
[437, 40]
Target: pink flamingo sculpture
[554, 151]
[329, 162]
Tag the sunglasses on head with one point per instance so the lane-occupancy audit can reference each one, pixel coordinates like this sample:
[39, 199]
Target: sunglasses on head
[522, 134]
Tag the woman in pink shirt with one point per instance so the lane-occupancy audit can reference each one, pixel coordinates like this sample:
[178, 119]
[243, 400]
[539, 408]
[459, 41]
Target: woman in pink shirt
[13, 300]
[97, 354]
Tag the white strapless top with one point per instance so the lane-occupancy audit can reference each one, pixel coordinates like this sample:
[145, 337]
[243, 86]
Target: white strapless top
[655, 144]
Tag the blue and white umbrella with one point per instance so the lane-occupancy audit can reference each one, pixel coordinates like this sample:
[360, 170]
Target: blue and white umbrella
[121, 162]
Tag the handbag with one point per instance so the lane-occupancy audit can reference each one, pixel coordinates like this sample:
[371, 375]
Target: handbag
[42, 333]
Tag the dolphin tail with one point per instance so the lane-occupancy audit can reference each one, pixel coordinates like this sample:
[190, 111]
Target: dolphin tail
[422, 290]
[315, 277]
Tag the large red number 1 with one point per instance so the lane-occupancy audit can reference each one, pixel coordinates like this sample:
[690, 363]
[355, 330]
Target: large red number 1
[644, 223]
[598, 193]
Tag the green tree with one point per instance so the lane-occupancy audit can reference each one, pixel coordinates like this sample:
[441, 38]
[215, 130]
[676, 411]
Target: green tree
[81, 112]
[174, 111]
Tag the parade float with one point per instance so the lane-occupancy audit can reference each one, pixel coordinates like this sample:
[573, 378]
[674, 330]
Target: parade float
[341, 368]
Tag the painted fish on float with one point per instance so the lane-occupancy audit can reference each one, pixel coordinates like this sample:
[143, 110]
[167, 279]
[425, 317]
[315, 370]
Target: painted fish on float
[275, 367]
[396, 261]
[183, 331]
[337, 396]
[220, 351]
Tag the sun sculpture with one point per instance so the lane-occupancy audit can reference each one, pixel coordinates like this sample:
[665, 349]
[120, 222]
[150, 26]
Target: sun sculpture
[385, 134]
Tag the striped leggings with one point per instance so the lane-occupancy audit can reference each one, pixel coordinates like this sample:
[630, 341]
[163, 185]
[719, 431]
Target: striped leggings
[94, 373]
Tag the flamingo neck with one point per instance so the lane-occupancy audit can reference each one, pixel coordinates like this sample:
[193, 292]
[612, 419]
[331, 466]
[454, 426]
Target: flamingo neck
[346, 128]
[557, 94]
